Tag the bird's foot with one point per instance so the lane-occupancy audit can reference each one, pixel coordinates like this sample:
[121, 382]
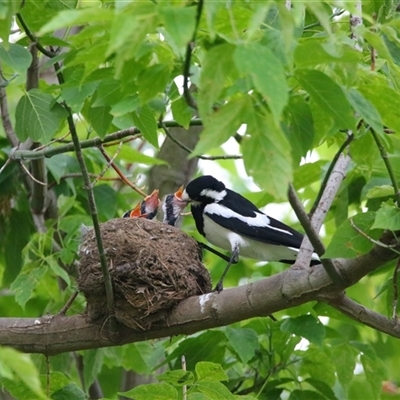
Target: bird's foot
[219, 288]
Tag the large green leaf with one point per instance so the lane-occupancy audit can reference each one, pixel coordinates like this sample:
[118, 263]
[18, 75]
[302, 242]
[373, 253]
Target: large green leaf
[266, 154]
[100, 118]
[305, 326]
[179, 23]
[210, 372]
[328, 95]
[217, 68]
[16, 57]
[347, 242]
[387, 217]
[266, 73]
[244, 342]
[153, 391]
[223, 124]
[144, 119]
[38, 117]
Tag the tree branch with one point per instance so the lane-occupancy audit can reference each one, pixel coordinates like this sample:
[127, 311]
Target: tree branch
[191, 102]
[57, 334]
[49, 152]
[364, 315]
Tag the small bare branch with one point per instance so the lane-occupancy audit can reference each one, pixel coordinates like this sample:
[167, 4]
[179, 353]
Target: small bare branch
[120, 173]
[31, 176]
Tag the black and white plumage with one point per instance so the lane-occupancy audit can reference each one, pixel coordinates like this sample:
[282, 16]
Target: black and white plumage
[147, 208]
[230, 221]
[172, 207]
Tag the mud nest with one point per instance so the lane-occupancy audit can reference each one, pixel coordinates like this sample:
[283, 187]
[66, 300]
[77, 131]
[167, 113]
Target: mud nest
[153, 266]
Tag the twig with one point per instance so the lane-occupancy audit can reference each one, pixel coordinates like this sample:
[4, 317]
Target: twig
[68, 304]
[388, 165]
[120, 173]
[337, 13]
[391, 247]
[92, 206]
[33, 38]
[5, 165]
[395, 290]
[109, 163]
[31, 176]
[350, 137]
[183, 147]
[16, 154]
[191, 102]
[184, 387]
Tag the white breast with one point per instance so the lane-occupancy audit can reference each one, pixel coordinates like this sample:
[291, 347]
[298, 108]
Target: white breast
[226, 239]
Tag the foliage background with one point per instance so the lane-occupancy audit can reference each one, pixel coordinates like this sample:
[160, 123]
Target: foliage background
[302, 76]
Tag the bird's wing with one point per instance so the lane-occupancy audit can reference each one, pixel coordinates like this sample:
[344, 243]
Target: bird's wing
[254, 224]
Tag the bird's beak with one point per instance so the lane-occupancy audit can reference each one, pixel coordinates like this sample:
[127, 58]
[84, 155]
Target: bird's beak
[135, 212]
[178, 193]
[152, 200]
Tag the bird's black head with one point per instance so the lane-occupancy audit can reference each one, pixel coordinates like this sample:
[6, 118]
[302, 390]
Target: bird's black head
[204, 189]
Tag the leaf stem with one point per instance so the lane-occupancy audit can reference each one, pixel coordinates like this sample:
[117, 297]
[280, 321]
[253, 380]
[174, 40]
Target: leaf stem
[388, 165]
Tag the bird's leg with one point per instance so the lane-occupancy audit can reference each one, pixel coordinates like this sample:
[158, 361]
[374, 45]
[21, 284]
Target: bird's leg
[233, 260]
[216, 252]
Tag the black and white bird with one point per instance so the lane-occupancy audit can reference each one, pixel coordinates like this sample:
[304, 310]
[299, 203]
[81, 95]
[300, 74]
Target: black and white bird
[172, 206]
[147, 208]
[230, 221]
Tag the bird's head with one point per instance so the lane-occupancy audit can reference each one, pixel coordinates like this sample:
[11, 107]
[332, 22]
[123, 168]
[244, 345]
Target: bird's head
[147, 208]
[204, 189]
[172, 206]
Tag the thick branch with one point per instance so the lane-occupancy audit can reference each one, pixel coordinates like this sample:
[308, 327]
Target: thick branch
[57, 334]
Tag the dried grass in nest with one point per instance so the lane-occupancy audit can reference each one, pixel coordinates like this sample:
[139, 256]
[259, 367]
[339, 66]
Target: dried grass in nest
[153, 266]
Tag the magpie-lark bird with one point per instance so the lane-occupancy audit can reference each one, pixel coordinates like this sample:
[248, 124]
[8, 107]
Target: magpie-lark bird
[147, 208]
[230, 221]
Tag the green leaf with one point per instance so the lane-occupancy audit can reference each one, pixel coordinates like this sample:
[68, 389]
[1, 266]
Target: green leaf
[344, 358]
[387, 217]
[328, 95]
[177, 377]
[380, 191]
[244, 342]
[26, 282]
[131, 155]
[317, 365]
[222, 124]
[267, 149]
[305, 326]
[301, 128]
[38, 117]
[375, 373]
[152, 81]
[347, 242]
[16, 57]
[145, 121]
[209, 371]
[153, 391]
[77, 17]
[267, 74]
[305, 395]
[214, 390]
[23, 367]
[182, 112]
[106, 201]
[322, 387]
[92, 364]
[100, 118]
[217, 68]
[179, 23]
[385, 99]
[68, 392]
[365, 110]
